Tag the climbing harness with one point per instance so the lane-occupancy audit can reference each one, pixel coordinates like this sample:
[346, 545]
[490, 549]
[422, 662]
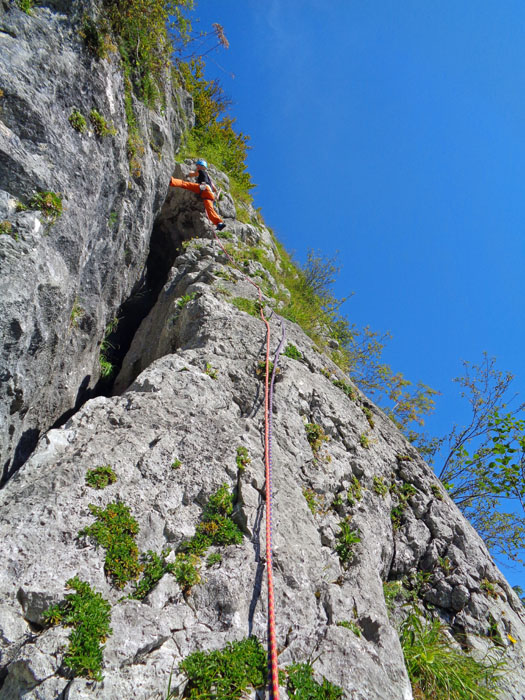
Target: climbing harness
[268, 399]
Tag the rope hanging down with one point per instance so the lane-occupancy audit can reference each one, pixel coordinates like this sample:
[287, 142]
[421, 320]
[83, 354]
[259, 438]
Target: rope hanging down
[268, 397]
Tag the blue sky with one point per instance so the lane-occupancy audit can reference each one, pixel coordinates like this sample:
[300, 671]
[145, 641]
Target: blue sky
[394, 133]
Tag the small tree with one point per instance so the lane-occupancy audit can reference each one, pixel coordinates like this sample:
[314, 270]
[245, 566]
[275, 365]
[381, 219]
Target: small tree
[484, 465]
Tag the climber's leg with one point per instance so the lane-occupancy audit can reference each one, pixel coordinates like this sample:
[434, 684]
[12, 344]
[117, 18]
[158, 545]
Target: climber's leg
[210, 211]
[193, 186]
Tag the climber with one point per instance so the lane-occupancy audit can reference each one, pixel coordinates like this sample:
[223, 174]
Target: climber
[205, 187]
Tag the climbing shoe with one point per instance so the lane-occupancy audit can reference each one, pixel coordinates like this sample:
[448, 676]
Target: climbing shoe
[220, 226]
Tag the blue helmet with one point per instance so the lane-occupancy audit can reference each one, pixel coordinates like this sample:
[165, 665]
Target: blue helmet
[201, 162]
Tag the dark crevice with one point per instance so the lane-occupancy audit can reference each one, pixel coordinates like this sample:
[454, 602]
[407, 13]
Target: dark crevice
[165, 244]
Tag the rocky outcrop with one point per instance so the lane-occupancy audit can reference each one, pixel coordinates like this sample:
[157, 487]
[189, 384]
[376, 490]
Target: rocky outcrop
[63, 282]
[362, 528]
[171, 439]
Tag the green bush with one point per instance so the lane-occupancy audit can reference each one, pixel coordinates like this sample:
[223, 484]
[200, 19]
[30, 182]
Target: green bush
[292, 352]
[100, 125]
[100, 477]
[78, 121]
[437, 669]
[89, 615]
[346, 539]
[225, 674]
[49, 203]
[115, 529]
[300, 684]
[315, 436]
[250, 306]
[154, 567]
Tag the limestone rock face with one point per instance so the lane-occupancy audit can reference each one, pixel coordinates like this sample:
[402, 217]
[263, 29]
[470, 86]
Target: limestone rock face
[61, 283]
[171, 438]
[362, 528]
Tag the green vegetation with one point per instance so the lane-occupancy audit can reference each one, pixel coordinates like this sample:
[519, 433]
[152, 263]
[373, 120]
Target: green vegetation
[6, 227]
[346, 539]
[187, 571]
[78, 121]
[216, 528]
[345, 388]
[355, 491]
[214, 137]
[313, 500]
[26, 5]
[181, 303]
[350, 625]
[89, 615]
[250, 306]
[403, 494]
[292, 352]
[438, 669]
[436, 492]
[49, 203]
[213, 558]
[107, 368]
[315, 436]
[154, 566]
[242, 458]
[225, 674]
[210, 371]
[379, 486]
[100, 477]
[115, 530]
[176, 464]
[364, 441]
[300, 684]
[100, 125]
[76, 313]
[369, 416]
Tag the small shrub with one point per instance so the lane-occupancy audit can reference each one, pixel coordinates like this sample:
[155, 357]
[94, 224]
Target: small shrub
[78, 121]
[181, 303]
[89, 615]
[355, 492]
[364, 441]
[176, 464]
[210, 371]
[315, 436]
[225, 674]
[347, 538]
[313, 501]
[345, 388]
[224, 234]
[437, 669]
[154, 566]
[115, 530]
[292, 352]
[100, 125]
[489, 588]
[26, 5]
[243, 458]
[100, 477]
[391, 591]
[95, 36]
[380, 486]
[300, 684]
[6, 227]
[369, 416]
[187, 571]
[49, 203]
[436, 491]
[396, 516]
[445, 564]
[213, 558]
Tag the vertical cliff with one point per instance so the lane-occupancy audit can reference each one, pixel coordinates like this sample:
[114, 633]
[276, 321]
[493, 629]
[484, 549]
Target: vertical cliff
[65, 276]
[131, 537]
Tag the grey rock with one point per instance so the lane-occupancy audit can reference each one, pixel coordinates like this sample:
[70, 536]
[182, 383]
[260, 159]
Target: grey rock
[92, 258]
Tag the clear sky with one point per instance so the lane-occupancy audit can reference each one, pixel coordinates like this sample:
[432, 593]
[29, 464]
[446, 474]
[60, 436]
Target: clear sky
[394, 133]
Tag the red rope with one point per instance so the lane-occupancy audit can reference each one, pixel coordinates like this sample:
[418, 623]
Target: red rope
[272, 640]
